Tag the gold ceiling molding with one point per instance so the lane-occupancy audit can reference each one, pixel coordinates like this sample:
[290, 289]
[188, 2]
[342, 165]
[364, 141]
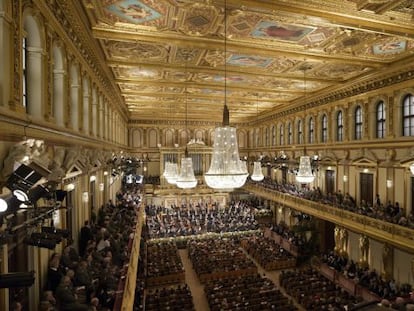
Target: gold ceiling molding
[146, 44]
[360, 88]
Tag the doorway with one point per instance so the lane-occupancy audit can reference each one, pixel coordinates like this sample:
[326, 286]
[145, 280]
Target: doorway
[366, 188]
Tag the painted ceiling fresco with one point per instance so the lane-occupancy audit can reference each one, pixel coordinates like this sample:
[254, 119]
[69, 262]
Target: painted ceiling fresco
[258, 56]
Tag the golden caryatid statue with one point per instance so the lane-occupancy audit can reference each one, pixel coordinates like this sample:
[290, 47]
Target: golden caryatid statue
[364, 250]
[337, 239]
[387, 261]
[341, 241]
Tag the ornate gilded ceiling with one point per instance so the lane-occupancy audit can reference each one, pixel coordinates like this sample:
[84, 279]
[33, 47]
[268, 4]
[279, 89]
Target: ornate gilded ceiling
[166, 53]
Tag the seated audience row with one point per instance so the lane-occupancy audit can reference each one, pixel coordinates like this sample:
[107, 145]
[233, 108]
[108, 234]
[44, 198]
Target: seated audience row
[219, 257]
[163, 264]
[247, 293]
[177, 298]
[268, 253]
[368, 278]
[91, 280]
[315, 292]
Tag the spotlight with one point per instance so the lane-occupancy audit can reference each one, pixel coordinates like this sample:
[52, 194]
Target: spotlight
[9, 202]
[46, 236]
[23, 178]
[3, 205]
[45, 243]
[17, 279]
[38, 192]
[60, 195]
[63, 232]
[20, 195]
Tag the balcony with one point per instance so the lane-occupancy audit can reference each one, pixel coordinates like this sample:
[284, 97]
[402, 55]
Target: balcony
[398, 236]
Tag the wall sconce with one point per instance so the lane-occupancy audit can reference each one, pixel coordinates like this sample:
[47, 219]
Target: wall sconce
[92, 178]
[329, 168]
[389, 183]
[365, 170]
[105, 173]
[85, 197]
[70, 187]
[101, 187]
[345, 178]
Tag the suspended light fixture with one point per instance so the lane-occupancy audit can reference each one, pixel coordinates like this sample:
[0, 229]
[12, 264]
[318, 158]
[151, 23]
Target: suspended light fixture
[257, 171]
[412, 168]
[171, 172]
[171, 168]
[257, 165]
[305, 174]
[186, 178]
[226, 170]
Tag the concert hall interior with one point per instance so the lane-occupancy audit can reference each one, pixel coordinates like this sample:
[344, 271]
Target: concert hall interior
[206, 155]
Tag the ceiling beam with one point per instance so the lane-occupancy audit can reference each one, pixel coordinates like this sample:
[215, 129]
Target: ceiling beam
[267, 49]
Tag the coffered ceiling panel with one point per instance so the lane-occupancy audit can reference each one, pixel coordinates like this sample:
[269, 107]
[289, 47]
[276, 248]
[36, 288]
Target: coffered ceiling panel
[264, 57]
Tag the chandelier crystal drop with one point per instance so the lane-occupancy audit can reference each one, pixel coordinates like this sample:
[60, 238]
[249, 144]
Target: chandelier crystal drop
[305, 174]
[257, 172]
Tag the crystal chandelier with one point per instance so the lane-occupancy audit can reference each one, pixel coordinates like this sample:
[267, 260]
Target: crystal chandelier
[257, 165]
[257, 171]
[305, 174]
[186, 178]
[171, 172]
[226, 170]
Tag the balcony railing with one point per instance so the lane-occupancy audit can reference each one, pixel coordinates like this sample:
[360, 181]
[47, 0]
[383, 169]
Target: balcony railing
[399, 236]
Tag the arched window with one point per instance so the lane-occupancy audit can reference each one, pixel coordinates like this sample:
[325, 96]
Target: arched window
[281, 135]
[380, 122]
[257, 135]
[184, 138]
[274, 135]
[33, 63]
[86, 107]
[290, 134]
[59, 91]
[74, 96]
[152, 138]
[300, 134]
[311, 131]
[358, 123]
[408, 115]
[339, 127]
[136, 138]
[242, 139]
[324, 134]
